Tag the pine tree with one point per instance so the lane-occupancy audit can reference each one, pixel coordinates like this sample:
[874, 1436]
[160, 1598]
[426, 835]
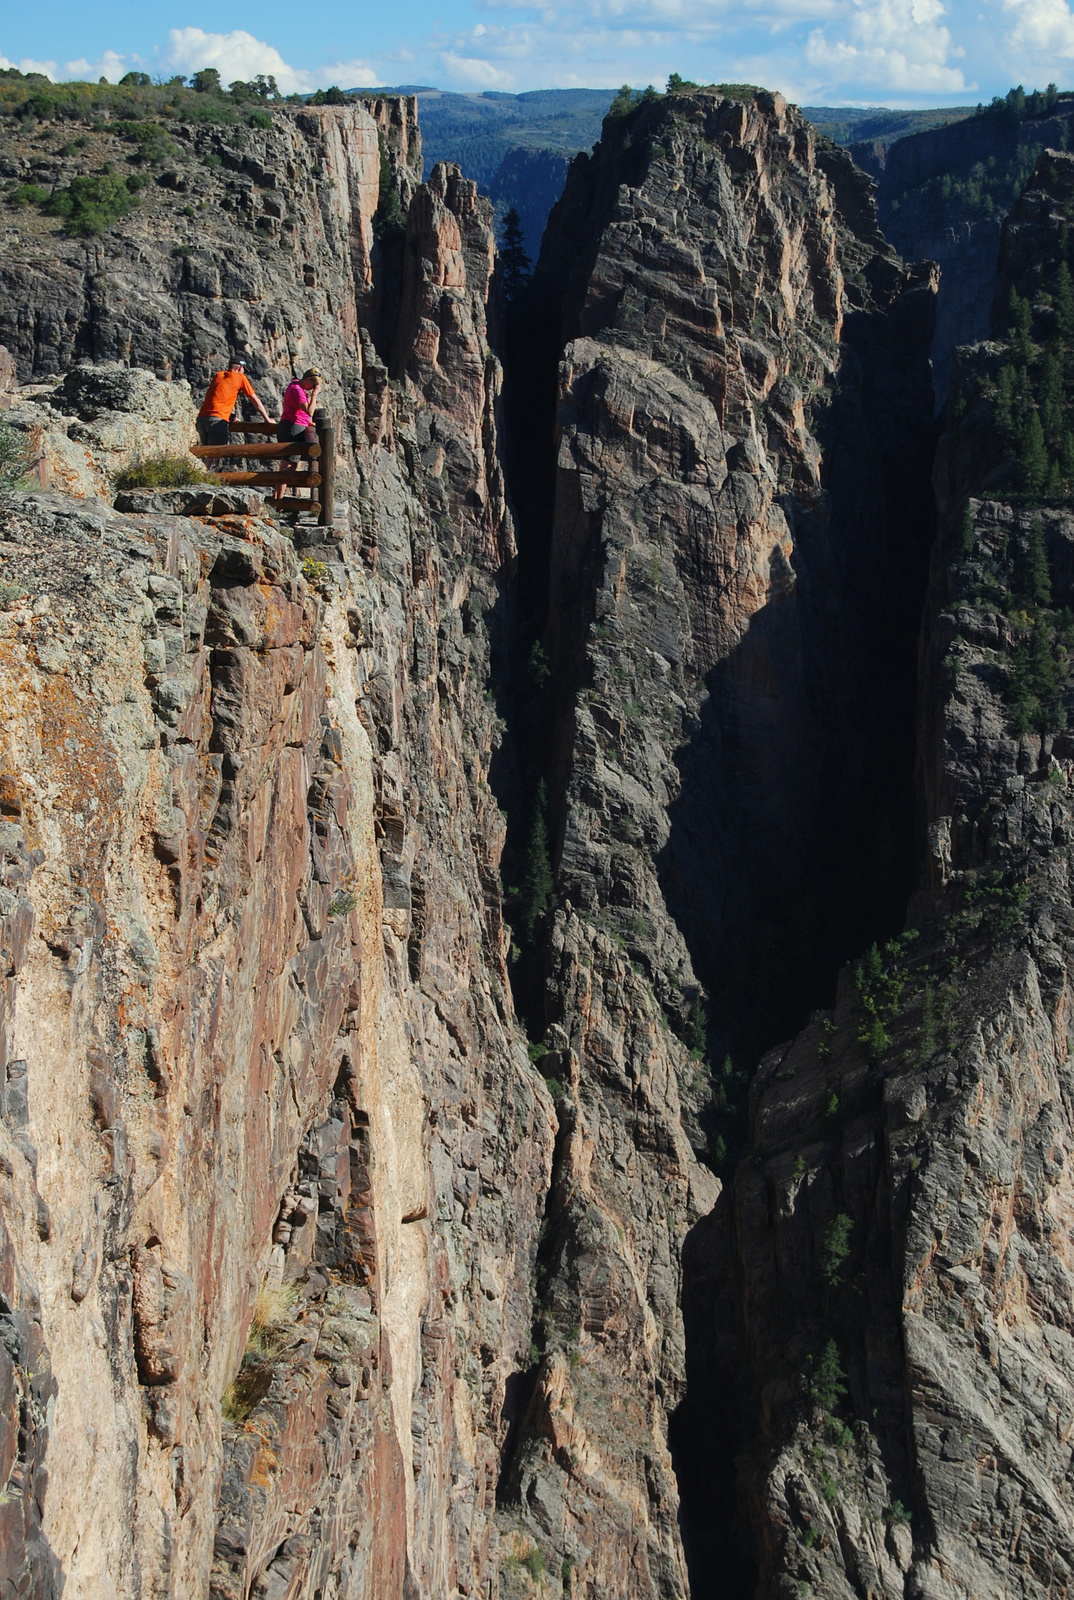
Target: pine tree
[1053, 484]
[517, 267]
[1023, 406]
[1020, 324]
[1064, 302]
[1034, 457]
[537, 879]
[1038, 575]
[1051, 403]
[1004, 406]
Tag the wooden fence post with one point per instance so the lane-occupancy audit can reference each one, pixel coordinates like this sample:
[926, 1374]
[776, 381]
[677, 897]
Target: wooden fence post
[326, 436]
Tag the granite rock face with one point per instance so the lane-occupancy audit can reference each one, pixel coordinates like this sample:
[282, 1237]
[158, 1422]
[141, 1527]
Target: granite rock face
[316, 1281]
[734, 549]
[276, 1152]
[884, 1289]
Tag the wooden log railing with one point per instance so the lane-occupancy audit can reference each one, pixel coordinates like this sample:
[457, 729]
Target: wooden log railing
[318, 477]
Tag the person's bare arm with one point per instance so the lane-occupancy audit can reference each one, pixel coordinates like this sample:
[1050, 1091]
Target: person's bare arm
[249, 390]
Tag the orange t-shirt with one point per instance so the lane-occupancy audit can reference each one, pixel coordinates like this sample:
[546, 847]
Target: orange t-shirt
[222, 394]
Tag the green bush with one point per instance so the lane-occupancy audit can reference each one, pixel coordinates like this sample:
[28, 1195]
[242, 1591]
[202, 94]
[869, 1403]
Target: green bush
[538, 670]
[15, 455]
[28, 194]
[1040, 673]
[92, 203]
[880, 978]
[153, 142]
[533, 1561]
[626, 101]
[342, 903]
[332, 96]
[163, 472]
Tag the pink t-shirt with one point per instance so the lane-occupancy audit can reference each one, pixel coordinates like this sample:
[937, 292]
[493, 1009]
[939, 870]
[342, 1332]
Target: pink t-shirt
[295, 401]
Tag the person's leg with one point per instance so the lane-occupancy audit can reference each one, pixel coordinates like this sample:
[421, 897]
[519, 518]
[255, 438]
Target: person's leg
[285, 434]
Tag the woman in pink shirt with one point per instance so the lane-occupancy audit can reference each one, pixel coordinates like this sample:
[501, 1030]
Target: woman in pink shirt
[296, 415]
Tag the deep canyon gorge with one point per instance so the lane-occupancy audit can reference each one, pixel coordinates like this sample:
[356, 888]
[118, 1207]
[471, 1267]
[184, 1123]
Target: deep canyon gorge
[534, 1021]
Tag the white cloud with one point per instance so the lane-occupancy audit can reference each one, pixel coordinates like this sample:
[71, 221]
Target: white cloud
[347, 74]
[48, 69]
[475, 72]
[234, 55]
[1043, 29]
[110, 66]
[239, 55]
[889, 44]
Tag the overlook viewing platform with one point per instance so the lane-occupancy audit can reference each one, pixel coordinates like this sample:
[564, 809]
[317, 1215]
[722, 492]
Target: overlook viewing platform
[315, 479]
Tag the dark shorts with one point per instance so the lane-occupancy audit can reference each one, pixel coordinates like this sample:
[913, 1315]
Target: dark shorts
[288, 432]
[213, 430]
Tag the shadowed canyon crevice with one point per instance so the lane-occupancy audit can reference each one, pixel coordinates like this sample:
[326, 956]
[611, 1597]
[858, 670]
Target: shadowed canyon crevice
[472, 1122]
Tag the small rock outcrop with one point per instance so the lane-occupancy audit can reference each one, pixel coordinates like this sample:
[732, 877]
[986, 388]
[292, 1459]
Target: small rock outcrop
[83, 433]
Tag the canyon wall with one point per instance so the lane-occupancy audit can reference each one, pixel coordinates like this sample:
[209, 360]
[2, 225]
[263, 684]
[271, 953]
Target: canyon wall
[943, 195]
[884, 1289]
[736, 554]
[373, 1230]
[247, 240]
[275, 1152]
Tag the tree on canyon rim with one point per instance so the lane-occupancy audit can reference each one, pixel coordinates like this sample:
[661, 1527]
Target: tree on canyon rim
[516, 264]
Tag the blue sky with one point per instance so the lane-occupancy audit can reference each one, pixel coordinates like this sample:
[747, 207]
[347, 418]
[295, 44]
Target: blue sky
[838, 52]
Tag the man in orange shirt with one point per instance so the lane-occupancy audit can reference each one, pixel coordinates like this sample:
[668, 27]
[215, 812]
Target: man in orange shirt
[219, 403]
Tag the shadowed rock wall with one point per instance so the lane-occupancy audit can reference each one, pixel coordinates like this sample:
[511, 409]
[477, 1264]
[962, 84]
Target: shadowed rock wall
[886, 1281]
[736, 555]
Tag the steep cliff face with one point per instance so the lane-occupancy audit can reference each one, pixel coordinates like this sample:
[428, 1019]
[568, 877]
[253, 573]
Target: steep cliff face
[735, 553]
[887, 1280]
[275, 1152]
[319, 1278]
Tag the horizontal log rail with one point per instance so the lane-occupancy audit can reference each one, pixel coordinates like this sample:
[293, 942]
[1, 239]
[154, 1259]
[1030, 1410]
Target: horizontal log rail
[272, 480]
[296, 448]
[251, 427]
